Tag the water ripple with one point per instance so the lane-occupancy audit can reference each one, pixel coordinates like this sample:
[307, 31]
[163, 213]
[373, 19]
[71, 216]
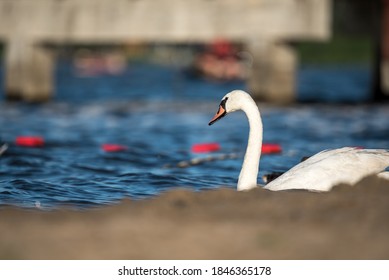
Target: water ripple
[158, 129]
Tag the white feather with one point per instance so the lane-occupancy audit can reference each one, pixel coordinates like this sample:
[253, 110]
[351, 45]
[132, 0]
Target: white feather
[328, 168]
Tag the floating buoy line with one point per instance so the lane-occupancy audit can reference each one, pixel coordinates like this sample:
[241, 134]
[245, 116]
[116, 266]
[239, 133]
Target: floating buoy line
[112, 148]
[267, 148]
[3, 148]
[198, 148]
[201, 160]
[205, 147]
[30, 141]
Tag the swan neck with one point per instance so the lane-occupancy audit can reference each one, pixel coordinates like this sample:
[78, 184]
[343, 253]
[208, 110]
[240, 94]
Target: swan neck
[249, 173]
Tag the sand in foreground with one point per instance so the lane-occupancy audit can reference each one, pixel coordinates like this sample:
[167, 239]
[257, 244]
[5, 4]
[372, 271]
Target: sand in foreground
[347, 223]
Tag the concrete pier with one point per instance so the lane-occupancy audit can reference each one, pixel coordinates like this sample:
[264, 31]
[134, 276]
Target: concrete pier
[264, 25]
[29, 70]
[272, 75]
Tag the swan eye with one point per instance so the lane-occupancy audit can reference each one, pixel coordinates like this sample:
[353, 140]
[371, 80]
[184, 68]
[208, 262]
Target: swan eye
[223, 103]
[221, 112]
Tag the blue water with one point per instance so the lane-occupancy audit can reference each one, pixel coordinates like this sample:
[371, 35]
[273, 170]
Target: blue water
[159, 113]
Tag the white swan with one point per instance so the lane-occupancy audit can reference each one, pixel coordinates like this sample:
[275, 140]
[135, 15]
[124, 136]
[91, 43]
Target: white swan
[320, 172]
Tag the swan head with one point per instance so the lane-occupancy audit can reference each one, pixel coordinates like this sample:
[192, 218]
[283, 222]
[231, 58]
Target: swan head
[231, 102]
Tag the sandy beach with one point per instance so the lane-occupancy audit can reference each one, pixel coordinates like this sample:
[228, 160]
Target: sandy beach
[346, 223]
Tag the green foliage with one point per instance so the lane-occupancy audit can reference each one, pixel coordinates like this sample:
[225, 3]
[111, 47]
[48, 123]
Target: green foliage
[339, 50]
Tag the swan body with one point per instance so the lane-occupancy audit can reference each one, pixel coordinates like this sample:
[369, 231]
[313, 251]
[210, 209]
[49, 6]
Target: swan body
[332, 167]
[320, 172]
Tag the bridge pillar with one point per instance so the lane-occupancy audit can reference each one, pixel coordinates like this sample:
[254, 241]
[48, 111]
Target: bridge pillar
[29, 70]
[384, 54]
[273, 71]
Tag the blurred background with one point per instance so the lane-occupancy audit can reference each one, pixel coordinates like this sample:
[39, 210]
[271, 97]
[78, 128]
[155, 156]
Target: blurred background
[318, 47]
[343, 50]
[146, 77]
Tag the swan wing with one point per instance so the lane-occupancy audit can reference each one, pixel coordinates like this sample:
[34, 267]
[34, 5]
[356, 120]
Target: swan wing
[328, 168]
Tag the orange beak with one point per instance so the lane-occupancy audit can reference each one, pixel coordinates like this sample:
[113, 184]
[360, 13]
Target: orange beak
[219, 114]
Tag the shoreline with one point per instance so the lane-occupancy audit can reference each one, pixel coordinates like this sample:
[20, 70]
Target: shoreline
[346, 223]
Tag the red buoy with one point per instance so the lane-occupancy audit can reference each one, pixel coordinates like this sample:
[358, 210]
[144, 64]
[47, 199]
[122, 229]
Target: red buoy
[30, 141]
[111, 148]
[205, 147]
[271, 148]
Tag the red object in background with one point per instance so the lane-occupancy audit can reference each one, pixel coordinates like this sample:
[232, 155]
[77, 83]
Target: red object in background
[205, 147]
[30, 141]
[222, 48]
[267, 148]
[110, 148]
[270, 148]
